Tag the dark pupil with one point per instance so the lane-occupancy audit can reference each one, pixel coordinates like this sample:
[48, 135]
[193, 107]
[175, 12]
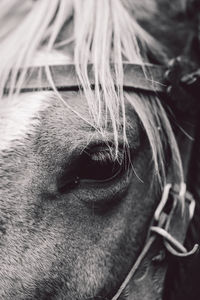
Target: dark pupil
[100, 166]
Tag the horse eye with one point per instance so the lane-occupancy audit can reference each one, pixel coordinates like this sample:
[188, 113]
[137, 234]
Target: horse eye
[94, 165]
[101, 165]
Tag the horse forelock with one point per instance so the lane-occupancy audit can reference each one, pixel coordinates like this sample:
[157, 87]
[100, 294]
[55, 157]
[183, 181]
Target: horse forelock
[119, 37]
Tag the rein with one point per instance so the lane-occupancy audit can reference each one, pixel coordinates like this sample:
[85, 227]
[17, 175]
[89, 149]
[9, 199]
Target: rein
[176, 208]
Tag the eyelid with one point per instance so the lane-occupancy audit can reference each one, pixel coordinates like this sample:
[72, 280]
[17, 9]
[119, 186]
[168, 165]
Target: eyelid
[109, 149]
[102, 156]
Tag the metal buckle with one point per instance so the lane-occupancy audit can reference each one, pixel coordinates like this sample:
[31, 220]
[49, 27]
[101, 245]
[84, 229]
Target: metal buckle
[163, 202]
[161, 217]
[169, 239]
[182, 193]
[192, 205]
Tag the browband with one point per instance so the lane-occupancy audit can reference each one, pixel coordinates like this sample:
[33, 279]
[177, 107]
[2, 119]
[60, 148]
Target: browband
[147, 77]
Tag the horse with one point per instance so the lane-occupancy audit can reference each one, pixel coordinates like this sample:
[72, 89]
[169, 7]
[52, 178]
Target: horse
[88, 143]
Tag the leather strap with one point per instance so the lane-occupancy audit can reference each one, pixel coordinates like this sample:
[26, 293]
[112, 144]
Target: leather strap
[146, 77]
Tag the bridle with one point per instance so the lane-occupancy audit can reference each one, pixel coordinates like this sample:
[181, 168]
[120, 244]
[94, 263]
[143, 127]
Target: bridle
[176, 208]
[147, 77]
[166, 236]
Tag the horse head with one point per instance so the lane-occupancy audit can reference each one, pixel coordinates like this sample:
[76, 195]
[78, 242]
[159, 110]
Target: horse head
[82, 168]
